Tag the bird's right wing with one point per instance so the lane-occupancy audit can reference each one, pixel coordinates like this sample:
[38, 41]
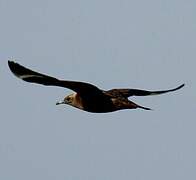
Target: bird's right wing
[138, 92]
[35, 77]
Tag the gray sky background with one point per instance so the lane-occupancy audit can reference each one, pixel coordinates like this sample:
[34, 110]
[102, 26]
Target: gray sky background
[126, 43]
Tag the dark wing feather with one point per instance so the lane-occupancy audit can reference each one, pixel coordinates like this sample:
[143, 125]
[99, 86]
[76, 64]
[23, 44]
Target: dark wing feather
[138, 92]
[35, 77]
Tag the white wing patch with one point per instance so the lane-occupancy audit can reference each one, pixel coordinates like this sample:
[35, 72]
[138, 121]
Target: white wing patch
[28, 76]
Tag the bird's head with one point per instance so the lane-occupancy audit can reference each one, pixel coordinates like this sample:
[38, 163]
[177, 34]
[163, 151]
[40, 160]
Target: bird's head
[68, 100]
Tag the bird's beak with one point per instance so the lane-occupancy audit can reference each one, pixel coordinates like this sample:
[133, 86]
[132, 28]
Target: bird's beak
[60, 102]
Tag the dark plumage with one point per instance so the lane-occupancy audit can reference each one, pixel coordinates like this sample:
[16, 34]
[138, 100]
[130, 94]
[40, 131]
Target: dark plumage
[87, 96]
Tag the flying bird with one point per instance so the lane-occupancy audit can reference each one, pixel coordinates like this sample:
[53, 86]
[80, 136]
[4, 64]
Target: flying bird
[86, 96]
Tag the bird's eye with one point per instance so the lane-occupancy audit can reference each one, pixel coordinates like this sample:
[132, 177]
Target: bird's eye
[68, 98]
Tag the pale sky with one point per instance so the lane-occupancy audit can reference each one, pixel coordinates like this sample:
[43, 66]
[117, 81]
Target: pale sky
[112, 44]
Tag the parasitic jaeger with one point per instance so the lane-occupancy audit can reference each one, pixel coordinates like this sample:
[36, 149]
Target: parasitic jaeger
[86, 96]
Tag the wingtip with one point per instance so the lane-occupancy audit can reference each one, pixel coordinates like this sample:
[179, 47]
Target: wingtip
[14, 67]
[181, 86]
[10, 64]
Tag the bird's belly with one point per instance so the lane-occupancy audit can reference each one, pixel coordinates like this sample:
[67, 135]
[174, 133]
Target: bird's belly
[98, 105]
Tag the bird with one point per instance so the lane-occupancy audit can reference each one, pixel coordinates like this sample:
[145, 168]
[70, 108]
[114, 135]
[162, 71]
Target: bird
[86, 96]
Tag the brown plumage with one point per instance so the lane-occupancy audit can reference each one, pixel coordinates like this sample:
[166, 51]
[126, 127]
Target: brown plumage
[87, 96]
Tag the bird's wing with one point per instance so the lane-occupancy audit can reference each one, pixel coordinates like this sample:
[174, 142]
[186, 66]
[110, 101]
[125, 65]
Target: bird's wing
[35, 77]
[138, 92]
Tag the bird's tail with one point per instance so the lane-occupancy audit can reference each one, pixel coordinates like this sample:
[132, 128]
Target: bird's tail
[145, 108]
[132, 105]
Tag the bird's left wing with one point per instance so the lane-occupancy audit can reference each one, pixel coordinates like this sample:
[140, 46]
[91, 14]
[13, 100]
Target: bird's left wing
[35, 77]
